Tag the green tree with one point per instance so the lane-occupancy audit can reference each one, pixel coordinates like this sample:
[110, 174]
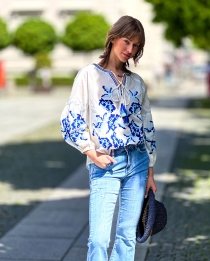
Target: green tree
[4, 35]
[86, 32]
[34, 36]
[189, 18]
[37, 38]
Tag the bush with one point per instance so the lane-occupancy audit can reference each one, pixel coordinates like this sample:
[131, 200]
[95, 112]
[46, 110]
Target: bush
[86, 32]
[63, 81]
[56, 81]
[42, 60]
[4, 35]
[35, 36]
[22, 81]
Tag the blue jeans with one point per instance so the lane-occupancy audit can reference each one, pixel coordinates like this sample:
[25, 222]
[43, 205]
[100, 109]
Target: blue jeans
[126, 178]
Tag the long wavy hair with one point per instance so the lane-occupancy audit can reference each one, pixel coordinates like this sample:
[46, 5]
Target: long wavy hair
[128, 27]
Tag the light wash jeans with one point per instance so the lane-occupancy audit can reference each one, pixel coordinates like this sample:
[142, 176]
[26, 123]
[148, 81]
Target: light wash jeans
[126, 178]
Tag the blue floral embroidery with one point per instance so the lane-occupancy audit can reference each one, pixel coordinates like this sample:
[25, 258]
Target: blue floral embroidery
[123, 113]
[100, 121]
[139, 117]
[112, 122]
[121, 126]
[153, 145]
[135, 107]
[107, 104]
[108, 94]
[130, 138]
[105, 143]
[149, 129]
[78, 122]
[117, 142]
[75, 130]
[135, 129]
[66, 127]
[133, 96]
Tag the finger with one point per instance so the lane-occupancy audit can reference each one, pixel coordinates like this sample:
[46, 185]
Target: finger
[146, 192]
[111, 159]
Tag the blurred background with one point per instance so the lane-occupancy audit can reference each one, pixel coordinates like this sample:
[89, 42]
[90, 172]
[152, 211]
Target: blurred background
[43, 44]
[53, 40]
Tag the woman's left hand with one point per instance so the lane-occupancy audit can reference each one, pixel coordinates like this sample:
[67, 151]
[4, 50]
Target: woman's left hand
[150, 181]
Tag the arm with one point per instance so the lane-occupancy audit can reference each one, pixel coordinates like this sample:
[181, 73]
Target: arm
[74, 117]
[149, 132]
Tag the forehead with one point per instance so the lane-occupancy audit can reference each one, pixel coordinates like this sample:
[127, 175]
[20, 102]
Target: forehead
[135, 39]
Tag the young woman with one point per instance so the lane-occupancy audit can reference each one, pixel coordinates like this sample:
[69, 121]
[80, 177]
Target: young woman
[108, 118]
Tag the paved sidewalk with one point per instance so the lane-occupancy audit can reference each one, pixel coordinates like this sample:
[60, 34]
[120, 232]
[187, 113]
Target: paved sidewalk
[26, 112]
[58, 228]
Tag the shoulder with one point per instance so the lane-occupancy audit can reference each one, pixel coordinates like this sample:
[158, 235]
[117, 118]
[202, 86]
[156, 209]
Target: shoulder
[90, 68]
[84, 73]
[138, 80]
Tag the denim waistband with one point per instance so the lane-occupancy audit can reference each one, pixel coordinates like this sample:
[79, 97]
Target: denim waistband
[128, 147]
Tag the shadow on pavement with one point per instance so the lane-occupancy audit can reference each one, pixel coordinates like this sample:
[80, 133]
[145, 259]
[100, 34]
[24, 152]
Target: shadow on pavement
[187, 199]
[27, 170]
[38, 165]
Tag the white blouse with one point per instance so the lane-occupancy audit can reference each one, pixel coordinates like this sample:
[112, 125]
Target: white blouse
[104, 114]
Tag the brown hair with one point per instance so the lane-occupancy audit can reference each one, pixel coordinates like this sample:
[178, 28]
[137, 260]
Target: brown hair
[128, 27]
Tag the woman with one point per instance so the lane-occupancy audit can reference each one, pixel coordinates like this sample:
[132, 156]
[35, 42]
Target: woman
[108, 118]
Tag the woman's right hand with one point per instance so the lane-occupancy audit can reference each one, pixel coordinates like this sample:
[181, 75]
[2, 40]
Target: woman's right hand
[100, 159]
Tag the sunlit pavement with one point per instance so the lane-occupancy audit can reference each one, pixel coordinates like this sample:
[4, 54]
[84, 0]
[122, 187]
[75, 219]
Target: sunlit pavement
[58, 228]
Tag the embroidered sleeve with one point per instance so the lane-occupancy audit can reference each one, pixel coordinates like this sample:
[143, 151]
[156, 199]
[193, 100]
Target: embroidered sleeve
[74, 117]
[149, 130]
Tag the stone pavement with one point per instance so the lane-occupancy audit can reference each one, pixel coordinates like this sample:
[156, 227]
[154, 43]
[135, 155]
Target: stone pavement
[58, 228]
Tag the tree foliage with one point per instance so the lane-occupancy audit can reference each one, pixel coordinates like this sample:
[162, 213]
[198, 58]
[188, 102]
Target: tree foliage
[189, 18]
[4, 35]
[35, 36]
[86, 32]
[42, 60]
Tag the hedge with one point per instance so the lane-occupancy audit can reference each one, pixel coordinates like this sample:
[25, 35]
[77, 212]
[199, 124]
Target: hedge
[56, 81]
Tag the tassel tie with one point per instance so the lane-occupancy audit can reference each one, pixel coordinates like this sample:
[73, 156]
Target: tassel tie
[121, 97]
[124, 114]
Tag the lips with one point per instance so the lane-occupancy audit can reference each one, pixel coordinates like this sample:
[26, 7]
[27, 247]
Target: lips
[127, 56]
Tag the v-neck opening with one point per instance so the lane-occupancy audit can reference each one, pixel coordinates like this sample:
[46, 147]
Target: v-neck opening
[117, 83]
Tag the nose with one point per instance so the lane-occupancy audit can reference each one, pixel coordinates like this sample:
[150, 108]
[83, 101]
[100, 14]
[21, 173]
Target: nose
[130, 48]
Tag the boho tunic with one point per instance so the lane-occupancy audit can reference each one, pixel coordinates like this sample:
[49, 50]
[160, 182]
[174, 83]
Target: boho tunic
[104, 114]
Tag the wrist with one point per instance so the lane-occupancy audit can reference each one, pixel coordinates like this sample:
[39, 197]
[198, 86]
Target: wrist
[91, 154]
[150, 172]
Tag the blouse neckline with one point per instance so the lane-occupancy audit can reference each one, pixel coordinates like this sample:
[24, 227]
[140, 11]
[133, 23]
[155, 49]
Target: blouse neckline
[112, 75]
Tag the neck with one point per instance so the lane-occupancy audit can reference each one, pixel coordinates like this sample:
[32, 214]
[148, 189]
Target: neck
[116, 68]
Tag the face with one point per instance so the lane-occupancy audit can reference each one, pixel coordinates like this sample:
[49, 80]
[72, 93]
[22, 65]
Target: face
[124, 48]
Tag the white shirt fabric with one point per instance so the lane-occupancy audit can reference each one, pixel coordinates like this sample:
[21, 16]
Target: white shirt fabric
[93, 117]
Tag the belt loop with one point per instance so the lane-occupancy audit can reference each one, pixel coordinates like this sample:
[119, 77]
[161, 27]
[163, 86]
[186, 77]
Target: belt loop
[112, 153]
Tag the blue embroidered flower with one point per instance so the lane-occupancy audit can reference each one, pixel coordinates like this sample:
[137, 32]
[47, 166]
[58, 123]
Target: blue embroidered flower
[153, 145]
[151, 129]
[133, 96]
[78, 122]
[105, 143]
[75, 130]
[130, 138]
[121, 126]
[135, 107]
[123, 113]
[107, 104]
[135, 129]
[108, 94]
[139, 117]
[112, 122]
[100, 121]
[117, 142]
